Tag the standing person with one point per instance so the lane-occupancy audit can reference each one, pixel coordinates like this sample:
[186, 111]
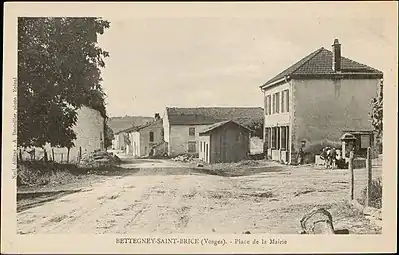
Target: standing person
[332, 157]
[300, 156]
[327, 160]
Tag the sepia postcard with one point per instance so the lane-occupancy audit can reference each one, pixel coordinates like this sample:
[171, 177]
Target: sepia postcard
[199, 127]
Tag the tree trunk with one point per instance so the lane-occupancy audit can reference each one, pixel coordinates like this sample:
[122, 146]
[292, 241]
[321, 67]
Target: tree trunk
[34, 154]
[67, 160]
[45, 158]
[80, 154]
[52, 153]
[20, 155]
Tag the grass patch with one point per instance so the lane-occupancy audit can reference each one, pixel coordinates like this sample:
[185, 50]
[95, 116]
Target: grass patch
[375, 196]
[35, 173]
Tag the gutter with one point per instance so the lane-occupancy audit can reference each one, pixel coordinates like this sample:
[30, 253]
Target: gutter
[284, 79]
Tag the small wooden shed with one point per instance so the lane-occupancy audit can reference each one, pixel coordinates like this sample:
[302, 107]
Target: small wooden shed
[224, 142]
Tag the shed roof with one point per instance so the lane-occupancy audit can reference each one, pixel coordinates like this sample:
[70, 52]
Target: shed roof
[211, 115]
[220, 124]
[319, 64]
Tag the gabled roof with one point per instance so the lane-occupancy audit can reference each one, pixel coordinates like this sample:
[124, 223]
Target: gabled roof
[220, 124]
[211, 115]
[140, 127]
[318, 64]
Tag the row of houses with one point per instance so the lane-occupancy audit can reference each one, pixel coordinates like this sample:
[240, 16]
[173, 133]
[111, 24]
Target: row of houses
[180, 131]
[307, 105]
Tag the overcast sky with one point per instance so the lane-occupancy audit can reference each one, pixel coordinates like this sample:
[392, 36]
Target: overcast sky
[221, 60]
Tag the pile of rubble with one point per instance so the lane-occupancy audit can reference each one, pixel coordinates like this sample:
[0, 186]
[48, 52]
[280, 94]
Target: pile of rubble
[99, 159]
[184, 158]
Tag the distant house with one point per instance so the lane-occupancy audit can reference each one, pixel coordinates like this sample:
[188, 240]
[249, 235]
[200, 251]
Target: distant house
[119, 143]
[311, 102]
[144, 138]
[120, 124]
[224, 142]
[183, 125]
[89, 130]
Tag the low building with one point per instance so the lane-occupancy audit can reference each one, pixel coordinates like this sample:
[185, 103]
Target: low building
[183, 125]
[145, 138]
[119, 143]
[224, 142]
[312, 102]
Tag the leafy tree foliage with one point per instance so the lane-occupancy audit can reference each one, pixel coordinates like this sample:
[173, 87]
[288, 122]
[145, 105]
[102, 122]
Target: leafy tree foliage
[377, 111]
[257, 127]
[109, 136]
[59, 64]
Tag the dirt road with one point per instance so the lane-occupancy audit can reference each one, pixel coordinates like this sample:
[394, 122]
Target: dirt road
[164, 197]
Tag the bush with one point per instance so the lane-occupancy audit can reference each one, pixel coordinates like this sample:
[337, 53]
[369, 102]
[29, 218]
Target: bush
[376, 194]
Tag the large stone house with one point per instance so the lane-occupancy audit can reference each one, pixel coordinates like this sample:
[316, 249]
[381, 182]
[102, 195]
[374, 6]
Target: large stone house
[313, 101]
[89, 130]
[183, 125]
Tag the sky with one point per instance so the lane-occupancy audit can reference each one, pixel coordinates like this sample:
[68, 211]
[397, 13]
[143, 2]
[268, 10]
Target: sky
[215, 59]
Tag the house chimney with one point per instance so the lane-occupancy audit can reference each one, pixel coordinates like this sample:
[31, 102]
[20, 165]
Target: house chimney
[157, 117]
[336, 60]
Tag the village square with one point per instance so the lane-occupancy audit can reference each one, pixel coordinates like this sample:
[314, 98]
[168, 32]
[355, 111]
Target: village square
[295, 150]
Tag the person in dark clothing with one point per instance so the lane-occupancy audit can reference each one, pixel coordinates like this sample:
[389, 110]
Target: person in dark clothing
[332, 157]
[300, 156]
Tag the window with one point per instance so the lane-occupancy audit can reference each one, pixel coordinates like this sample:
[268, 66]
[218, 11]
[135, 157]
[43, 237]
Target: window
[267, 138]
[191, 147]
[277, 102]
[151, 136]
[200, 146]
[283, 138]
[287, 100]
[274, 138]
[269, 106]
[266, 104]
[283, 101]
[191, 131]
[274, 103]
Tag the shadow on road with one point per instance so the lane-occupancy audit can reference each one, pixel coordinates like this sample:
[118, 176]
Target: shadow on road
[27, 200]
[203, 171]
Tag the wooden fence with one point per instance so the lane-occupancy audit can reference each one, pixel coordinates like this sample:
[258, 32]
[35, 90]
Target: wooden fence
[354, 184]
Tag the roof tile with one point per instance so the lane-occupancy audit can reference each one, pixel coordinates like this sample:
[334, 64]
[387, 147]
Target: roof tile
[319, 62]
[211, 115]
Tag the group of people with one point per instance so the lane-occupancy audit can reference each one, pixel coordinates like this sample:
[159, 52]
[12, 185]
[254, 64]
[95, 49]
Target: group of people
[331, 156]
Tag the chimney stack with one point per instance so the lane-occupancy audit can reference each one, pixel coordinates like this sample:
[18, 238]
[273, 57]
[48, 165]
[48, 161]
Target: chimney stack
[336, 61]
[157, 117]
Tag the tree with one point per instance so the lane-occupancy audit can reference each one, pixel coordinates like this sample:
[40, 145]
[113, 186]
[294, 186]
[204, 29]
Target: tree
[59, 65]
[377, 111]
[376, 115]
[257, 127]
[109, 136]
